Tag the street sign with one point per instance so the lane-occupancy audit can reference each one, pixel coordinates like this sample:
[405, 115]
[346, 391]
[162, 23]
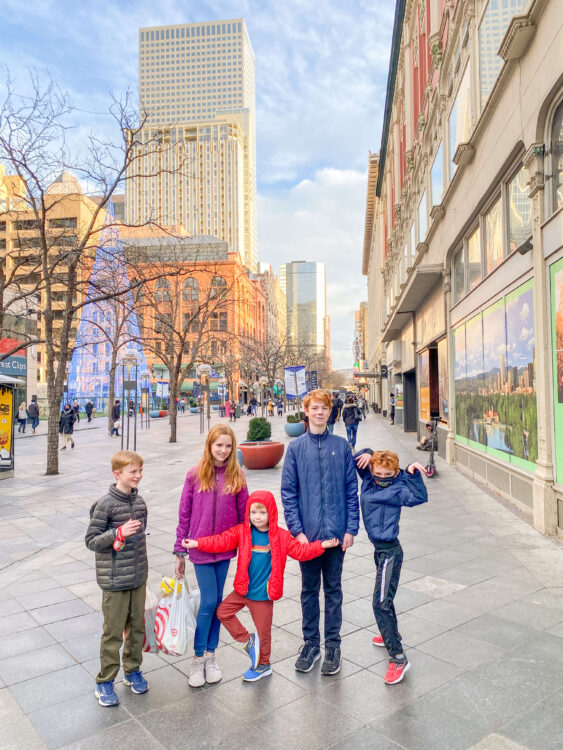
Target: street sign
[384, 371]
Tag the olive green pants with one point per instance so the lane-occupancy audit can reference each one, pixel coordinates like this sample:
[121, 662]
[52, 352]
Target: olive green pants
[124, 613]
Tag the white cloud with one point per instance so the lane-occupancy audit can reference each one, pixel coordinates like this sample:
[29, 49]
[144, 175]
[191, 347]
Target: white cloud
[525, 311]
[322, 219]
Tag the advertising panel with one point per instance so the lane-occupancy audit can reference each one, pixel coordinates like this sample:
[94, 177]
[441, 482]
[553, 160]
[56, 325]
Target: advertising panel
[495, 395]
[295, 385]
[443, 385]
[556, 272]
[6, 429]
[424, 384]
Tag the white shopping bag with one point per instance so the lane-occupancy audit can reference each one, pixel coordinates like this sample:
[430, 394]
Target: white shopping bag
[175, 620]
[151, 605]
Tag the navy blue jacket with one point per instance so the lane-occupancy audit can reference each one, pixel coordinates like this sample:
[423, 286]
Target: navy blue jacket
[319, 487]
[381, 506]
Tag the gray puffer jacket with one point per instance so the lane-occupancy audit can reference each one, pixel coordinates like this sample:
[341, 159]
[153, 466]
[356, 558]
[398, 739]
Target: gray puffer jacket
[128, 568]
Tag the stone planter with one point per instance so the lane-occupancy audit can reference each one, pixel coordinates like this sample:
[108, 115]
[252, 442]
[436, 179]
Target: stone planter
[294, 429]
[194, 409]
[156, 413]
[261, 455]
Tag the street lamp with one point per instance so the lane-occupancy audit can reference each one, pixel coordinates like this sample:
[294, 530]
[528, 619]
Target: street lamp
[203, 372]
[129, 360]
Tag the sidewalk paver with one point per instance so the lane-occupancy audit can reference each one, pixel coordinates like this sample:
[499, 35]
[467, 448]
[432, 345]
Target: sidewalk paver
[480, 611]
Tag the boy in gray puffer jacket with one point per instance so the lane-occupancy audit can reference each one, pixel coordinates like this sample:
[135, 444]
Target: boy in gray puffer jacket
[116, 534]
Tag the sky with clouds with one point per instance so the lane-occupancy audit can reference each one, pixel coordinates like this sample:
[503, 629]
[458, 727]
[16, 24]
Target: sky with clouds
[321, 74]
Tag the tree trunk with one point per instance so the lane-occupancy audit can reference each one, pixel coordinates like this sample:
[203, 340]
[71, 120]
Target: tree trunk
[173, 419]
[52, 429]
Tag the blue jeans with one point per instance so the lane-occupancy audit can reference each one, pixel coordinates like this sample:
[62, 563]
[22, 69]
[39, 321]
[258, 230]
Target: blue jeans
[329, 567]
[351, 431]
[211, 580]
[34, 423]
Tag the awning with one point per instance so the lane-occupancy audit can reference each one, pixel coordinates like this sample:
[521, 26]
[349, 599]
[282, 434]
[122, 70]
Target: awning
[420, 284]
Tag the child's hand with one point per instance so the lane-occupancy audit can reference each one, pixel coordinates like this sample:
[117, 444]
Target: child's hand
[363, 460]
[412, 467]
[189, 543]
[130, 527]
[330, 543]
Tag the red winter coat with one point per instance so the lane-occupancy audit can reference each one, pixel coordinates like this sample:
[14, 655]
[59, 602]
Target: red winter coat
[282, 544]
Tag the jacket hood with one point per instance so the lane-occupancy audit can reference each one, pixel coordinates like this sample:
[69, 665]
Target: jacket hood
[267, 499]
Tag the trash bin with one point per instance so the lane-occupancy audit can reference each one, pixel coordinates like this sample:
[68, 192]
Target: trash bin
[221, 411]
[237, 411]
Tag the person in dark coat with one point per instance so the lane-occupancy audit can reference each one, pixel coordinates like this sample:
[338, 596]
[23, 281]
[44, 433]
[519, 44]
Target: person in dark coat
[33, 411]
[76, 409]
[66, 426]
[115, 418]
[89, 408]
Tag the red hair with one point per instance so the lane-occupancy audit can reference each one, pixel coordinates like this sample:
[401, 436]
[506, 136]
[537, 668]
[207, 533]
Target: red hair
[234, 478]
[387, 459]
[318, 395]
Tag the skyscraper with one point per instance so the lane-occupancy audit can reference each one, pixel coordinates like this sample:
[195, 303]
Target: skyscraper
[198, 142]
[305, 287]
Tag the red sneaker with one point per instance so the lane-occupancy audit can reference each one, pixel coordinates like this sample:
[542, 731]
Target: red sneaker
[396, 672]
[377, 640]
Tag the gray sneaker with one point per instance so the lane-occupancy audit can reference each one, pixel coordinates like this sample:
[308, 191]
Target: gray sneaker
[332, 661]
[308, 655]
[197, 672]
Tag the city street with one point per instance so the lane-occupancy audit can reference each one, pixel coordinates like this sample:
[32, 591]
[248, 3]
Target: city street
[480, 603]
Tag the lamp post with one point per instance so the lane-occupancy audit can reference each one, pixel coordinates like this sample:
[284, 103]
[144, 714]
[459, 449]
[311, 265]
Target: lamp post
[203, 372]
[128, 360]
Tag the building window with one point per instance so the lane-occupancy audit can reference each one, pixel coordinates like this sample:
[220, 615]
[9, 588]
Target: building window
[437, 178]
[190, 290]
[557, 158]
[162, 290]
[459, 274]
[474, 265]
[218, 287]
[494, 251]
[422, 219]
[460, 118]
[519, 210]
[493, 27]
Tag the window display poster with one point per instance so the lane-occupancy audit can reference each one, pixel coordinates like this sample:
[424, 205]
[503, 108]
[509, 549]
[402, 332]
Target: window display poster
[557, 349]
[399, 398]
[443, 379]
[6, 429]
[424, 384]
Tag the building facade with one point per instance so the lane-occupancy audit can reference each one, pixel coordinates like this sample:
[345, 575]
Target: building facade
[275, 302]
[198, 139]
[305, 289]
[463, 241]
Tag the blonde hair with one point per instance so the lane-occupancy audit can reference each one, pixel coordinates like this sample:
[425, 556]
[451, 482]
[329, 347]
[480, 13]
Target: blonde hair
[234, 478]
[387, 459]
[23, 404]
[258, 506]
[121, 459]
[318, 395]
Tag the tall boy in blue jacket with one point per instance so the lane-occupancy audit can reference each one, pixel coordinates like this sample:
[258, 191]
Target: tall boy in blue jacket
[385, 490]
[319, 492]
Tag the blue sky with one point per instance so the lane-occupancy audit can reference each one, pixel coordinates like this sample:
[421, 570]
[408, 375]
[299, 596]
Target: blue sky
[321, 72]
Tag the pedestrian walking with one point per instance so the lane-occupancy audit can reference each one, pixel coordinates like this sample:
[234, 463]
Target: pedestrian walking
[22, 417]
[351, 416]
[319, 491]
[76, 409]
[89, 408]
[334, 415]
[362, 406]
[392, 409]
[253, 403]
[116, 418]
[66, 426]
[116, 534]
[385, 490]
[33, 411]
[213, 499]
[233, 413]
[280, 407]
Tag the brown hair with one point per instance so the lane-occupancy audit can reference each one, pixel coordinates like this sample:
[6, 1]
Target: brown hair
[258, 506]
[234, 478]
[318, 395]
[387, 459]
[121, 459]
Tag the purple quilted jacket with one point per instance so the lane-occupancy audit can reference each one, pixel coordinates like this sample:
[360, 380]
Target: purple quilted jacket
[203, 513]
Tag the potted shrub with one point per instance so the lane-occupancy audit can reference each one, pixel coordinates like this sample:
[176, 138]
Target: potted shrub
[259, 452]
[194, 408]
[295, 424]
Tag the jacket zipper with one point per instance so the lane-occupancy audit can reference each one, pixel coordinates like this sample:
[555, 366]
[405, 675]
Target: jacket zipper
[215, 502]
[323, 529]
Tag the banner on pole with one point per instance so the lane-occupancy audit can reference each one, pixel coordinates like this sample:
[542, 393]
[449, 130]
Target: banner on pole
[295, 385]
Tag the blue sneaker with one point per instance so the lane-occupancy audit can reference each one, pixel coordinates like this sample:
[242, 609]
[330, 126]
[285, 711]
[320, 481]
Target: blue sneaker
[105, 693]
[252, 648]
[262, 670]
[136, 681]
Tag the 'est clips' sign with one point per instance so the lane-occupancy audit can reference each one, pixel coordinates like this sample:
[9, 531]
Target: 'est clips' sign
[6, 429]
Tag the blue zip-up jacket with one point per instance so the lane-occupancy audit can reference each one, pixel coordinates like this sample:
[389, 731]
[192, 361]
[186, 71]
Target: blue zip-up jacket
[381, 506]
[319, 487]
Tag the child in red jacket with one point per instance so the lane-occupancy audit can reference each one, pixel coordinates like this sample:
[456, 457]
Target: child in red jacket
[263, 550]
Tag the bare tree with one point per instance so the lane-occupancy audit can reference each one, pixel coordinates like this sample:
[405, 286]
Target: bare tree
[49, 259]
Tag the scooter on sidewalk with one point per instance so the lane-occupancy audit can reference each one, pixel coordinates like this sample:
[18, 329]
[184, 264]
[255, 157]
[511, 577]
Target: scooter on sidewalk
[431, 470]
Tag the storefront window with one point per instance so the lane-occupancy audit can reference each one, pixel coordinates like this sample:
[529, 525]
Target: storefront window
[437, 178]
[493, 237]
[557, 157]
[474, 259]
[422, 219]
[519, 210]
[459, 274]
[460, 118]
[493, 27]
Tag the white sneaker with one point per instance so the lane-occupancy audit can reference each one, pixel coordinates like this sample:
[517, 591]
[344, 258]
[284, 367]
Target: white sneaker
[212, 669]
[197, 672]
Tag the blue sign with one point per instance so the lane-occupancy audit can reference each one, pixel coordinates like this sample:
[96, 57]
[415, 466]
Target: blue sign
[14, 366]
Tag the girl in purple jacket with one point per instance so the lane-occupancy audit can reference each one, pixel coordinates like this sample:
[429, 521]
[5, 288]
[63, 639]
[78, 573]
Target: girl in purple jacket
[213, 499]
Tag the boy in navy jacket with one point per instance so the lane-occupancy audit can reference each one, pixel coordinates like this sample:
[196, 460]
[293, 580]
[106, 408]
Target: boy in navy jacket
[385, 490]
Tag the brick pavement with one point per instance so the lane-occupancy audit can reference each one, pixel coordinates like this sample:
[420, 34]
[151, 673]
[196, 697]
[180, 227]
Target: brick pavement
[480, 610]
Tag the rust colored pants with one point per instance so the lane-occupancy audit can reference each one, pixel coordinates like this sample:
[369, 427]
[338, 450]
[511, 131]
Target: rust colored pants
[260, 611]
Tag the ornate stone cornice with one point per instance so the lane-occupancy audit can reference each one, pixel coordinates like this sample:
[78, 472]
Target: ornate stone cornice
[517, 38]
[533, 163]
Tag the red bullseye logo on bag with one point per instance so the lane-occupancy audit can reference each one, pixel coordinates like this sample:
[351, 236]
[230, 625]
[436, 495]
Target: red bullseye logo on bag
[173, 631]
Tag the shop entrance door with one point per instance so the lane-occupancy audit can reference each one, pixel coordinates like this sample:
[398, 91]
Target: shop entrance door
[409, 385]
